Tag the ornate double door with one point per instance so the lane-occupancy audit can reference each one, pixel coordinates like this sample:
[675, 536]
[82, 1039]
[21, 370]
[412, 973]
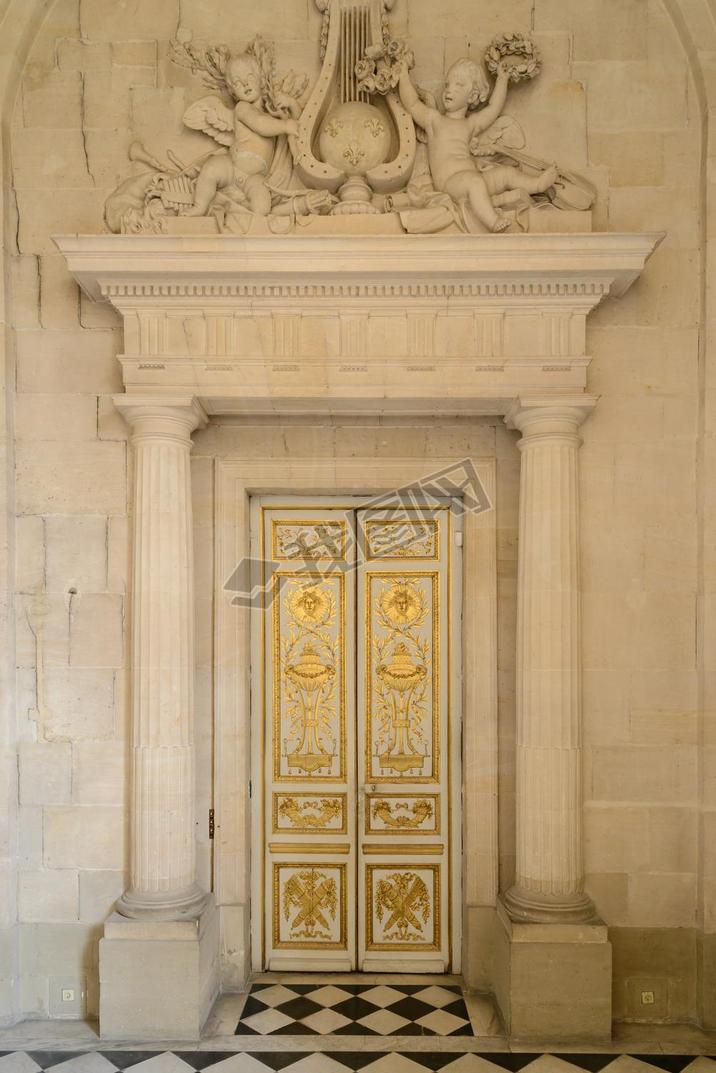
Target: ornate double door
[359, 746]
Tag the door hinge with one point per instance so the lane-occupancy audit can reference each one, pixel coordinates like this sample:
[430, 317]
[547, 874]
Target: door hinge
[212, 823]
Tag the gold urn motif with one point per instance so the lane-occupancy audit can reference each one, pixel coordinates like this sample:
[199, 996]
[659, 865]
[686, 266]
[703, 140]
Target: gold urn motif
[309, 674]
[402, 675]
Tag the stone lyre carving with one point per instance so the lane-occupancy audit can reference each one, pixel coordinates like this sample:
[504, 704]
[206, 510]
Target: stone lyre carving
[364, 148]
[350, 140]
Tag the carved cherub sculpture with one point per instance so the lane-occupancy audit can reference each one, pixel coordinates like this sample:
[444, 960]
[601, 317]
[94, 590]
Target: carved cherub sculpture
[248, 134]
[450, 133]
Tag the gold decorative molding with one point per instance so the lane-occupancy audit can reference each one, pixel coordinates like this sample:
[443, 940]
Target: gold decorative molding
[403, 850]
[326, 848]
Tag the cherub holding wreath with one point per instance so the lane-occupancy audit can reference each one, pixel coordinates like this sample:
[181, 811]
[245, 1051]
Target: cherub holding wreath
[450, 134]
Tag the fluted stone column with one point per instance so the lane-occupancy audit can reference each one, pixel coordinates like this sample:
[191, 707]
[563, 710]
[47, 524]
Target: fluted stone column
[549, 884]
[163, 876]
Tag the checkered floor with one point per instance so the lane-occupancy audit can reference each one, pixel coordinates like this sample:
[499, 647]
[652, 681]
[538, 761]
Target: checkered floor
[354, 1010]
[347, 1062]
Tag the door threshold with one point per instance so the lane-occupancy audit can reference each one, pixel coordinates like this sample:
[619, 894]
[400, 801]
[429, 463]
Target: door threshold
[356, 978]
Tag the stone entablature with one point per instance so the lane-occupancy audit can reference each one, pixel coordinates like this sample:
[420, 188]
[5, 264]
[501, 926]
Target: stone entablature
[459, 324]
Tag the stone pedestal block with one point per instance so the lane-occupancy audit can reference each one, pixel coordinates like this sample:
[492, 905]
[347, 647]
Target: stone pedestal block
[158, 979]
[554, 981]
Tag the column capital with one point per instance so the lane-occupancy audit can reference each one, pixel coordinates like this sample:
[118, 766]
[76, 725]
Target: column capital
[162, 417]
[549, 415]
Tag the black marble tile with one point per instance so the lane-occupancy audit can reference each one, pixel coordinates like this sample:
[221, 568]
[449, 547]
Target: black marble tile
[253, 1005]
[277, 1059]
[299, 1007]
[355, 1060]
[592, 1063]
[355, 1008]
[672, 1063]
[510, 1061]
[53, 1058]
[411, 1008]
[127, 1059]
[206, 1059]
[295, 1028]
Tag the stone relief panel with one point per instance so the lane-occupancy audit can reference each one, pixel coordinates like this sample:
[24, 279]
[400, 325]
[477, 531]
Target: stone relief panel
[364, 149]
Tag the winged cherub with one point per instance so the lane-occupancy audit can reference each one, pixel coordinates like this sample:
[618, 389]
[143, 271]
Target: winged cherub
[451, 133]
[262, 111]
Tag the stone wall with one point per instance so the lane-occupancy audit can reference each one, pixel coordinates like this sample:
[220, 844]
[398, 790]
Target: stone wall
[615, 101]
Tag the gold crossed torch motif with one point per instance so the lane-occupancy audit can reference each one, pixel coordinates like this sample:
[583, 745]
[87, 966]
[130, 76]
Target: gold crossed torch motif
[313, 896]
[404, 899]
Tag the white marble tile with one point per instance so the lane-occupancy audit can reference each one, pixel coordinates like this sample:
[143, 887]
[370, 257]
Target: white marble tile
[626, 1064]
[470, 1063]
[383, 996]
[394, 1063]
[85, 1063]
[268, 1021]
[383, 1021]
[436, 996]
[274, 996]
[18, 1063]
[239, 1063]
[325, 1021]
[315, 1063]
[163, 1063]
[326, 996]
[441, 1022]
[550, 1063]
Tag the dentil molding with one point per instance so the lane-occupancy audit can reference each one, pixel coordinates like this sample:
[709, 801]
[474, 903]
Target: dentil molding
[359, 324]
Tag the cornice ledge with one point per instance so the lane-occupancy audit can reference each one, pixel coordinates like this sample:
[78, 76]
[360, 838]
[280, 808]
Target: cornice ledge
[225, 266]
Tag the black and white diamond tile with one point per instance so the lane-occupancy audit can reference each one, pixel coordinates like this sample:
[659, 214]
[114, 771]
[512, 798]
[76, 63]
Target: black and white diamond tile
[346, 1062]
[355, 1010]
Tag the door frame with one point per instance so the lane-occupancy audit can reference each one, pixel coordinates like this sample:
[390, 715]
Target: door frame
[236, 482]
[259, 816]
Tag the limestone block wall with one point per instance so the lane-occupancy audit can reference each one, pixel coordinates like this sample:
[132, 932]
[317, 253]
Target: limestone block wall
[616, 101]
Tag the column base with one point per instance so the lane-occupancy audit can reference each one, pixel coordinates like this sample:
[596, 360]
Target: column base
[158, 979]
[553, 981]
[541, 909]
[184, 905]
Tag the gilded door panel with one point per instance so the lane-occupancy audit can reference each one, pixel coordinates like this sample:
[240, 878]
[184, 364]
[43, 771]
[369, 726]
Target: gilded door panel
[309, 722]
[391, 813]
[310, 813]
[403, 907]
[402, 675]
[405, 539]
[309, 680]
[403, 724]
[309, 906]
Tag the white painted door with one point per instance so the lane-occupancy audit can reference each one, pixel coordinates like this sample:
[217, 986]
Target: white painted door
[356, 817]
